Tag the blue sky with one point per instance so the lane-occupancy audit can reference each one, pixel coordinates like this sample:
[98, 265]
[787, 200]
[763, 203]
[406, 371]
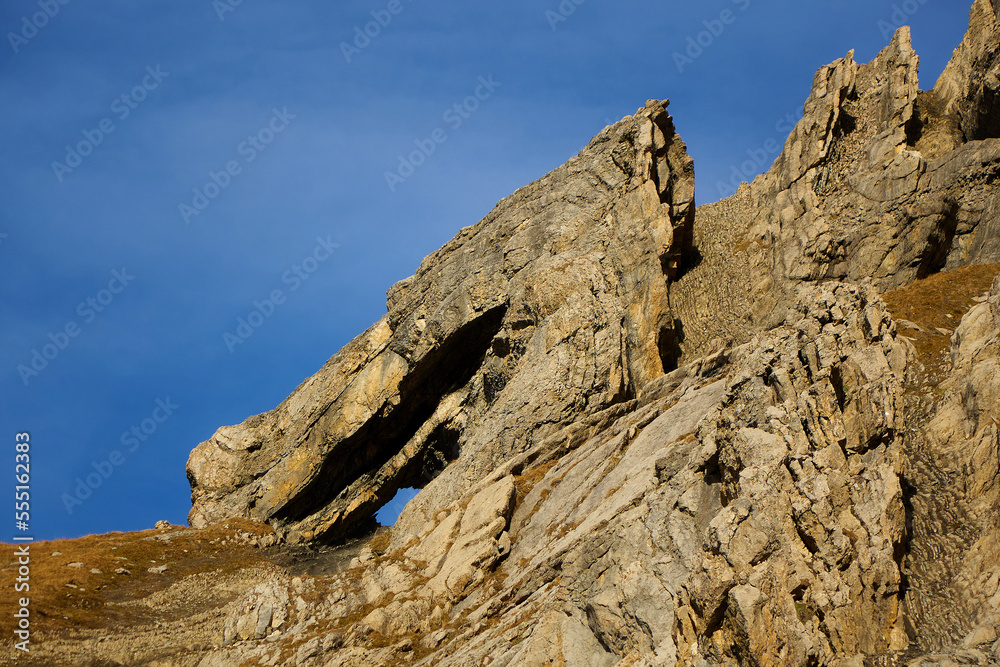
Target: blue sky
[134, 304]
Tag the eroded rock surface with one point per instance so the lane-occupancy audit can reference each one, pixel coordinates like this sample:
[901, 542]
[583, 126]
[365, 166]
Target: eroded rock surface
[743, 508]
[551, 308]
[955, 553]
[653, 435]
[970, 85]
[878, 180]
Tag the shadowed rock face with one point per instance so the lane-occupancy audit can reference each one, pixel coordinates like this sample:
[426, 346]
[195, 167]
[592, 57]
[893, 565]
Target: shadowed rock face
[551, 308]
[970, 85]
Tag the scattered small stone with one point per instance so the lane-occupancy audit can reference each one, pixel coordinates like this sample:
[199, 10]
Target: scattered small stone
[57, 553]
[307, 650]
[162, 525]
[94, 570]
[122, 570]
[75, 565]
[157, 570]
[434, 639]
[943, 332]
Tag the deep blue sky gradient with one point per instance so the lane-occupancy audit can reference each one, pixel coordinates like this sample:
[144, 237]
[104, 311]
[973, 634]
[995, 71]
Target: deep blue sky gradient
[323, 176]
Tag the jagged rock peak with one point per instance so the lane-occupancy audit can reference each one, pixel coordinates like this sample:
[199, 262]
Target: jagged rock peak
[969, 87]
[552, 307]
[877, 180]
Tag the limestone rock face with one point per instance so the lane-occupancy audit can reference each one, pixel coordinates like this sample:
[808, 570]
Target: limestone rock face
[647, 434]
[877, 180]
[970, 85]
[962, 443]
[743, 509]
[551, 308]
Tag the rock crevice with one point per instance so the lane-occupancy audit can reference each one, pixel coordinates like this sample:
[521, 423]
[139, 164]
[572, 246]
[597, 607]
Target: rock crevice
[553, 307]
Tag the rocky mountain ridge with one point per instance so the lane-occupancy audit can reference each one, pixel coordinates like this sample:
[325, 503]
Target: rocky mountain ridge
[645, 433]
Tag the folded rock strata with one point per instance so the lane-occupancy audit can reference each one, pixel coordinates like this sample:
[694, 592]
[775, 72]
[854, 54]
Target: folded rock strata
[955, 556]
[747, 505]
[653, 435]
[552, 308]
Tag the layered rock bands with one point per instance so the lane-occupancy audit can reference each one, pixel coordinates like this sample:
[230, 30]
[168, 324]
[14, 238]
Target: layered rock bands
[650, 434]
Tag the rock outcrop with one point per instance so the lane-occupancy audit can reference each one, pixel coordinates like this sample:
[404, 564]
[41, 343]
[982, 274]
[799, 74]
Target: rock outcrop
[878, 180]
[648, 434]
[970, 85]
[744, 508]
[957, 494]
[552, 308]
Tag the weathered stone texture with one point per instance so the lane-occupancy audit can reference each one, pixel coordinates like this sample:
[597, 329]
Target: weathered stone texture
[877, 181]
[551, 308]
[653, 435]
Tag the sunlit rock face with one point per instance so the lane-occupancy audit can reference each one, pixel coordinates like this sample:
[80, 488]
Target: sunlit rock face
[650, 434]
[552, 308]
